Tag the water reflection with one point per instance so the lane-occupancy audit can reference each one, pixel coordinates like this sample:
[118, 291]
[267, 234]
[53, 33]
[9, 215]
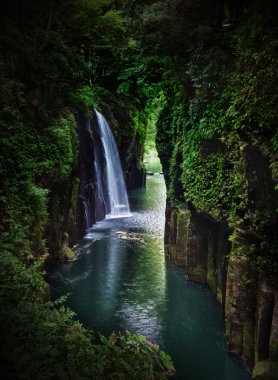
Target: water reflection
[143, 293]
[122, 281]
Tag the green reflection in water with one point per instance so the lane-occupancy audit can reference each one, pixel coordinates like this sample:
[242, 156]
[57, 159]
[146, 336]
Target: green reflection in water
[122, 281]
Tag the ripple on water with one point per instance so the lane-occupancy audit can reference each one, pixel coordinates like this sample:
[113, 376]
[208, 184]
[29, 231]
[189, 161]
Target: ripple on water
[93, 235]
[124, 282]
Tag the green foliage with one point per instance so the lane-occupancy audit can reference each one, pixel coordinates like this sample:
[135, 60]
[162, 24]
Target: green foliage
[41, 339]
[63, 148]
[56, 58]
[210, 93]
[217, 132]
[85, 97]
[33, 154]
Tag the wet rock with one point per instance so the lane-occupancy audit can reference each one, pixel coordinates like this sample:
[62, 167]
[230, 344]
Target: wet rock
[240, 308]
[67, 254]
[248, 299]
[132, 236]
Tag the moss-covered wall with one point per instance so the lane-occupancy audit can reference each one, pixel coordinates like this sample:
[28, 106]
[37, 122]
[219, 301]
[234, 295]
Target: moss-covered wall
[217, 140]
[46, 163]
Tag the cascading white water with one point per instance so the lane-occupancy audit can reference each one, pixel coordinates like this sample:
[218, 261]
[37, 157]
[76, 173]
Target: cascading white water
[116, 189]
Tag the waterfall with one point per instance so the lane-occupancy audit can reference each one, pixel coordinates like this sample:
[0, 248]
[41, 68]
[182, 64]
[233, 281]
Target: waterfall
[113, 197]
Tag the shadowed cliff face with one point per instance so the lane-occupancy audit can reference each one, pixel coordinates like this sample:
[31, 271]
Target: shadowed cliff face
[248, 299]
[75, 204]
[218, 147]
[200, 245]
[71, 202]
[90, 152]
[86, 171]
[235, 258]
[236, 261]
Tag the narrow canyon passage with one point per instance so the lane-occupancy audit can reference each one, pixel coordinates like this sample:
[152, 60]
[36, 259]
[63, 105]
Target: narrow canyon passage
[138, 180]
[123, 281]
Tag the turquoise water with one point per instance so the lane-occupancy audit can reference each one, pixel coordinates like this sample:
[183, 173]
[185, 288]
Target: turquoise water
[123, 281]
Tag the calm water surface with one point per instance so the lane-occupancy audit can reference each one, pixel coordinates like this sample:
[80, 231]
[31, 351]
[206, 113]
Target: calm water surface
[122, 281]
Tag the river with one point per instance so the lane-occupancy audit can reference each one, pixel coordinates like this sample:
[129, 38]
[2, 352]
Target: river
[123, 281]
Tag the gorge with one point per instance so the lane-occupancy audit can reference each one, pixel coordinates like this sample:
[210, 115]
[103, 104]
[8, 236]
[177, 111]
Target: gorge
[196, 80]
[123, 281]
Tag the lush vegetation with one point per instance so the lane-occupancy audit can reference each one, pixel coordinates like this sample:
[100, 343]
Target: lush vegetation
[41, 340]
[56, 58]
[201, 73]
[217, 135]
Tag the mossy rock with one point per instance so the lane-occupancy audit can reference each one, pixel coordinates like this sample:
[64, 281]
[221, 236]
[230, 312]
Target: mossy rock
[219, 296]
[265, 370]
[172, 251]
[261, 371]
[198, 274]
[273, 370]
[248, 340]
[69, 254]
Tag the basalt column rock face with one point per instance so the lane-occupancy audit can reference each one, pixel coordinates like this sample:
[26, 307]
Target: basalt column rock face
[67, 200]
[266, 339]
[135, 177]
[86, 172]
[240, 308]
[65, 215]
[273, 340]
[250, 302]
[199, 246]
